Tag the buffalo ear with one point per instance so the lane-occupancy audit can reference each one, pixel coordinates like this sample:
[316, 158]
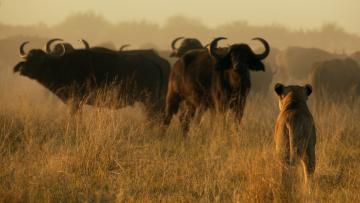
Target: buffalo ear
[279, 88]
[18, 66]
[308, 89]
[257, 65]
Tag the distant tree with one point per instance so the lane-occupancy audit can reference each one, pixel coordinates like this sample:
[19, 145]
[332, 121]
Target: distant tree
[96, 29]
[187, 26]
[87, 25]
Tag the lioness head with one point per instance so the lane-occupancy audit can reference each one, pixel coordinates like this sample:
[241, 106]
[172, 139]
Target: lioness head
[292, 94]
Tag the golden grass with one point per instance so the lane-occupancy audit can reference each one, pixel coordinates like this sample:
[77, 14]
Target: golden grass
[118, 156]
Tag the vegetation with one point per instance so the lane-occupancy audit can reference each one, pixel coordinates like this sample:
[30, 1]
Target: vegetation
[119, 155]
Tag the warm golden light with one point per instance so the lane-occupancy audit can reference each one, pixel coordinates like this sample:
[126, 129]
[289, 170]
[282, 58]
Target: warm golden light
[295, 14]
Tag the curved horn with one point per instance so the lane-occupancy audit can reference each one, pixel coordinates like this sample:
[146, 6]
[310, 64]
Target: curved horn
[267, 48]
[22, 52]
[123, 47]
[48, 44]
[86, 44]
[63, 50]
[173, 43]
[213, 48]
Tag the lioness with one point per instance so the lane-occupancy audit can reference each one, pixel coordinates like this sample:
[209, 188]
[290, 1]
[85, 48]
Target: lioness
[295, 135]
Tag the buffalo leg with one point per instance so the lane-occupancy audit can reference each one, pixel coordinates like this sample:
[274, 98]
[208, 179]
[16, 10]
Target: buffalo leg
[239, 111]
[172, 107]
[186, 116]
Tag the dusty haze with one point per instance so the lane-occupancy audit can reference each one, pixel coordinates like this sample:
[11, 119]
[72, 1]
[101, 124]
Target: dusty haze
[295, 14]
[326, 24]
[105, 155]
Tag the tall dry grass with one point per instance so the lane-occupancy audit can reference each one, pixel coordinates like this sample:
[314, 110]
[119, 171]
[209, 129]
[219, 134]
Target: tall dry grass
[119, 156]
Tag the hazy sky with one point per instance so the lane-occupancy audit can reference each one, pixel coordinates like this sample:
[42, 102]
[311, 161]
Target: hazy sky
[293, 13]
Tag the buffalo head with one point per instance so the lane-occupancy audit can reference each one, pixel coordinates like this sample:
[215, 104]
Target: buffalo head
[239, 57]
[186, 45]
[59, 48]
[34, 61]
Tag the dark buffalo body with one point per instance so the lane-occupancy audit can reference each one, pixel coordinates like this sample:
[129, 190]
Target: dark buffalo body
[209, 80]
[142, 54]
[335, 79]
[298, 61]
[148, 55]
[78, 76]
[153, 57]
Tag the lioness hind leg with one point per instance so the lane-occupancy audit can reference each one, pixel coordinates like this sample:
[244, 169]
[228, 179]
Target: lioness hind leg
[308, 162]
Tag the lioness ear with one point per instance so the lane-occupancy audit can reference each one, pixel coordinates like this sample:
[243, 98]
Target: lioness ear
[279, 88]
[308, 89]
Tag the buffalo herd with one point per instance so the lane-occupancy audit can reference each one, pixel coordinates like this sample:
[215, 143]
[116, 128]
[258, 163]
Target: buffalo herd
[192, 75]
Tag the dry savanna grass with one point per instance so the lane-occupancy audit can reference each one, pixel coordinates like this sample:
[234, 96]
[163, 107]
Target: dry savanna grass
[107, 155]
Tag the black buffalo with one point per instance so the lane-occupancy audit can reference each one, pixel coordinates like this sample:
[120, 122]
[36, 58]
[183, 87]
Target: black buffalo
[149, 55]
[78, 77]
[335, 80]
[59, 48]
[210, 80]
[298, 61]
[186, 45]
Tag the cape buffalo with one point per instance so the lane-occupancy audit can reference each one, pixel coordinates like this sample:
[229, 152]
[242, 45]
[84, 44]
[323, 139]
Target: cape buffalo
[78, 77]
[209, 80]
[59, 48]
[335, 78]
[186, 45]
[297, 61]
[149, 54]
